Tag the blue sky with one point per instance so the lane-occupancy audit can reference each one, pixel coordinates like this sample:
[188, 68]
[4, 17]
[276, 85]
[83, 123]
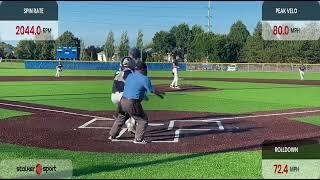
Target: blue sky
[91, 21]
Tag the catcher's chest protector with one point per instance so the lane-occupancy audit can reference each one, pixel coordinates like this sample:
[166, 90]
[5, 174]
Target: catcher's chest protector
[119, 76]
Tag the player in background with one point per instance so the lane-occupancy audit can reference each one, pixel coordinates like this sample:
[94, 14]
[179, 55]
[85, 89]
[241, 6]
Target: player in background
[302, 68]
[59, 68]
[175, 67]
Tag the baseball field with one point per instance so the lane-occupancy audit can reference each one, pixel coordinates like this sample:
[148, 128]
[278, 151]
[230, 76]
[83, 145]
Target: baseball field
[213, 127]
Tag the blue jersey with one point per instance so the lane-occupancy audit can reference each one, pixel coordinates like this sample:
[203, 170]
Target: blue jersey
[136, 86]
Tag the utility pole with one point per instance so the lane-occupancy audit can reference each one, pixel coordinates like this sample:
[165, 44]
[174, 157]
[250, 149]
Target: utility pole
[209, 17]
[141, 54]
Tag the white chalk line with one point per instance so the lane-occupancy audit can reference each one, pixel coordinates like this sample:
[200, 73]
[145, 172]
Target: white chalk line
[51, 110]
[109, 119]
[175, 139]
[98, 118]
[172, 122]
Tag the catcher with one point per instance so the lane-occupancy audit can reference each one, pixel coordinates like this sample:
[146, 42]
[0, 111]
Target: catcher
[136, 86]
[126, 67]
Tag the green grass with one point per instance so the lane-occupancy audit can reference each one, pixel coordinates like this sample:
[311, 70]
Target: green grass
[5, 113]
[116, 165]
[208, 74]
[237, 97]
[12, 65]
[315, 120]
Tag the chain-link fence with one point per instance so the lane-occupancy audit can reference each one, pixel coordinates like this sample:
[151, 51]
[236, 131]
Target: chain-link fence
[251, 67]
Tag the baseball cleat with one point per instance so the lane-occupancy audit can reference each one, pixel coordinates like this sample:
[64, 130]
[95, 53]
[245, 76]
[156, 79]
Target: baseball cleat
[177, 87]
[111, 138]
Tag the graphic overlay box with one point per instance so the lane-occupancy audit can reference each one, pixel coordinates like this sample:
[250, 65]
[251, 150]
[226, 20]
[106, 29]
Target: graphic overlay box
[28, 20]
[297, 20]
[291, 159]
[36, 168]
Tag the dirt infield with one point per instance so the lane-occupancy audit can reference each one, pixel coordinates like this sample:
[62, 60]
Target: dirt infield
[170, 132]
[86, 78]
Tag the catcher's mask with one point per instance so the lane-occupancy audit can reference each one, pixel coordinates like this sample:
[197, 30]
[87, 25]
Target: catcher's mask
[127, 62]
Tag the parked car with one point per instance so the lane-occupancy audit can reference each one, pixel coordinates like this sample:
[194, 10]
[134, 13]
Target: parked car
[232, 67]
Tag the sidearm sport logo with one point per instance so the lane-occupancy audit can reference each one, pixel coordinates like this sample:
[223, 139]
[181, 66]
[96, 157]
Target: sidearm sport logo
[36, 168]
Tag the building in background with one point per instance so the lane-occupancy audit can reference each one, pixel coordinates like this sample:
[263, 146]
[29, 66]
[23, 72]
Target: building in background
[102, 56]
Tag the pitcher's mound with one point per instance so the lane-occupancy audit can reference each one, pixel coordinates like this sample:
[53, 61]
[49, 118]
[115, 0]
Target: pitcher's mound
[184, 87]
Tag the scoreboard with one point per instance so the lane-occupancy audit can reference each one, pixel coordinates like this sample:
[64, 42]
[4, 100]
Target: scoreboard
[67, 53]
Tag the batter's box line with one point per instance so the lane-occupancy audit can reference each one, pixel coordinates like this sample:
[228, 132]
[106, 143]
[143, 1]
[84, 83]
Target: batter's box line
[86, 125]
[171, 125]
[175, 139]
[172, 122]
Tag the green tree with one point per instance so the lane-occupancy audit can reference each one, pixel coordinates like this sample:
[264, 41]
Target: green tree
[216, 47]
[83, 55]
[6, 50]
[109, 47]
[1, 53]
[139, 44]
[182, 36]
[236, 38]
[253, 50]
[44, 50]
[124, 45]
[195, 34]
[163, 42]
[25, 50]
[67, 39]
[92, 52]
[200, 47]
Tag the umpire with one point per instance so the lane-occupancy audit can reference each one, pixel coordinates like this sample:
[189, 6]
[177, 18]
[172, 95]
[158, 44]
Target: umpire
[136, 86]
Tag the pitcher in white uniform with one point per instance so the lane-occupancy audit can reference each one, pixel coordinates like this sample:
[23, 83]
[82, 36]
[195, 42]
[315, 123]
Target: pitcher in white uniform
[175, 67]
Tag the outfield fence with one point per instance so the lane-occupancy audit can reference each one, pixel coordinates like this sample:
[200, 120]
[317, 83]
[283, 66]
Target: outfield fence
[157, 66]
[252, 67]
[93, 65]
